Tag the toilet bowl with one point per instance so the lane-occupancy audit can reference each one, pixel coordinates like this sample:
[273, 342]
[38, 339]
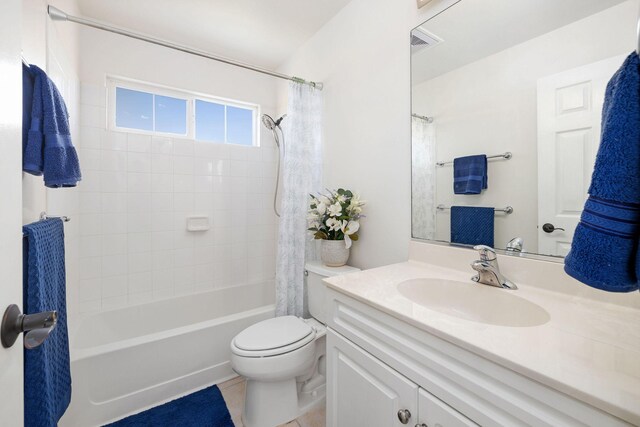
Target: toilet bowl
[282, 359]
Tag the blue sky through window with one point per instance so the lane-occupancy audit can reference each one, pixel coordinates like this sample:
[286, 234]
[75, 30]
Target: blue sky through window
[134, 109]
[171, 114]
[209, 121]
[239, 126]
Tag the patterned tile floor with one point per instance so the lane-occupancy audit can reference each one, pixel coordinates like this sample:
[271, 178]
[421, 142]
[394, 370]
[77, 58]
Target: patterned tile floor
[233, 393]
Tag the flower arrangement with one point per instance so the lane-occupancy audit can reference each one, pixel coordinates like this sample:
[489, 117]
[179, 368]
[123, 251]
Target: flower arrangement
[335, 216]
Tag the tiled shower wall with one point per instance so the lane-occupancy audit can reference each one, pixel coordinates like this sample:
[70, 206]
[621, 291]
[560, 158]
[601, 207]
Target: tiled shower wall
[136, 194]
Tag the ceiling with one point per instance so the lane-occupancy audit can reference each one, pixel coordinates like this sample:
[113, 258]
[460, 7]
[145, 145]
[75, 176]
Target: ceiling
[259, 32]
[474, 29]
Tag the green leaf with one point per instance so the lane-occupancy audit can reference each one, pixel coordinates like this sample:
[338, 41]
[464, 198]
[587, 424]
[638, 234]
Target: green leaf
[354, 237]
[320, 235]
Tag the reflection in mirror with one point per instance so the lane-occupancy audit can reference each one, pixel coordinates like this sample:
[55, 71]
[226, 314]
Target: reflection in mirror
[522, 83]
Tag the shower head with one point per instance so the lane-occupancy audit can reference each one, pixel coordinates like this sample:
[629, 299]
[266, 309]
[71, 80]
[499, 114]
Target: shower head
[268, 122]
[271, 124]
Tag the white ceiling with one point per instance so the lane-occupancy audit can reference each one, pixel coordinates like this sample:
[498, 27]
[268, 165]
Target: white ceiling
[259, 32]
[474, 29]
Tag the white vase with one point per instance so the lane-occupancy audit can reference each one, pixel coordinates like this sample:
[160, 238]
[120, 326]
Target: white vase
[334, 253]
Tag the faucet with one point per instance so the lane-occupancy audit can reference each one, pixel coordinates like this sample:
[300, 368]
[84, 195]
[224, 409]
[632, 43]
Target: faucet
[488, 269]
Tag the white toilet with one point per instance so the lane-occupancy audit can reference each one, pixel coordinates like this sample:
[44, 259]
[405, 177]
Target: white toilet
[283, 358]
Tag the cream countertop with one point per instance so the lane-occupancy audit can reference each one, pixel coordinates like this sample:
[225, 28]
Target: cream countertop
[589, 348]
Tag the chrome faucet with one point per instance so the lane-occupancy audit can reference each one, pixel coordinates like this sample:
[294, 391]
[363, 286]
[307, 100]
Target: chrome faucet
[488, 269]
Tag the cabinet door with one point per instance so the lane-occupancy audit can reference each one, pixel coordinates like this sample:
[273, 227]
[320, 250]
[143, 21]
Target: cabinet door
[364, 392]
[435, 413]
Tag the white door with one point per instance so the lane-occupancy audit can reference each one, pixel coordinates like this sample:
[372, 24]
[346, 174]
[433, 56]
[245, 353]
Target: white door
[435, 413]
[569, 114]
[364, 392]
[11, 413]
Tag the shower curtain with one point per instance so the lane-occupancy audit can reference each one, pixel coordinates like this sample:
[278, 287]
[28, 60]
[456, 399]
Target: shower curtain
[423, 218]
[301, 175]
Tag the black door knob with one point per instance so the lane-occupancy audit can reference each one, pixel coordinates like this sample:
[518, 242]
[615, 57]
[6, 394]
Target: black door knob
[550, 228]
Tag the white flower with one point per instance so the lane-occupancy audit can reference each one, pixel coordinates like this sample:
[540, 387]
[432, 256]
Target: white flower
[334, 224]
[335, 209]
[349, 228]
[342, 198]
[325, 200]
[321, 208]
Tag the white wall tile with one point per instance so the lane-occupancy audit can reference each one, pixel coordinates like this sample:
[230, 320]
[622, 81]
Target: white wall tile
[139, 162]
[161, 163]
[140, 283]
[161, 145]
[138, 143]
[114, 265]
[94, 116]
[183, 165]
[90, 289]
[114, 244]
[114, 202]
[161, 183]
[115, 140]
[138, 182]
[183, 147]
[91, 137]
[161, 202]
[113, 182]
[113, 161]
[114, 286]
[138, 242]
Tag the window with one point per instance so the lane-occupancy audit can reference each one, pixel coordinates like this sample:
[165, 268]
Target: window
[150, 109]
[224, 123]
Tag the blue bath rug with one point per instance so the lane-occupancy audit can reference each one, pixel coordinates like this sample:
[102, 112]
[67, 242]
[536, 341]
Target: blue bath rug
[204, 408]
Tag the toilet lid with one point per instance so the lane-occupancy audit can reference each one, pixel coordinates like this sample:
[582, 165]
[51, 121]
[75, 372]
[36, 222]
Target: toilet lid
[272, 334]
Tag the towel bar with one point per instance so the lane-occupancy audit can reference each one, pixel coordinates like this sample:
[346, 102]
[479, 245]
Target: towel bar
[43, 216]
[508, 155]
[508, 210]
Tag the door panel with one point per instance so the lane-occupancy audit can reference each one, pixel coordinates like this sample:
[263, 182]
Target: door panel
[569, 114]
[364, 392]
[11, 404]
[435, 413]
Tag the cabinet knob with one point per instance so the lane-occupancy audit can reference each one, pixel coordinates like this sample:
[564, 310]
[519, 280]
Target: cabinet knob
[404, 415]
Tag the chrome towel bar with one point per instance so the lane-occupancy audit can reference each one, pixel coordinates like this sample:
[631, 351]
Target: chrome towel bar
[508, 155]
[508, 210]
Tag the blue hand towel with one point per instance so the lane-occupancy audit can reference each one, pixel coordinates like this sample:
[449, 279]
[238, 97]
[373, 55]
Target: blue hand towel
[472, 225]
[47, 374]
[48, 150]
[604, 252]
[470, 174]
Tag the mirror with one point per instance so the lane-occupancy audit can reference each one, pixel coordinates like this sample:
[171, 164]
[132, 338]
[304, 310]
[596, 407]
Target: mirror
[523, 83]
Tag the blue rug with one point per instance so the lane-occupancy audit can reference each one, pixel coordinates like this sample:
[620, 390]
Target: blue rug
[204, 408]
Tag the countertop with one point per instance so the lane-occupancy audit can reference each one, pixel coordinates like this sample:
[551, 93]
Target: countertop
[589, 348]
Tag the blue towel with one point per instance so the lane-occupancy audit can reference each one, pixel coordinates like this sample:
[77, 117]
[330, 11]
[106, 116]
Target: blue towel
[604, 252]
[47, 375]
[470, 174]
[48, 149]
[472, 225]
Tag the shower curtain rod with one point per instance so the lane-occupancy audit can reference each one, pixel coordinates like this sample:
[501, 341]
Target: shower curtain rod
[58, 15]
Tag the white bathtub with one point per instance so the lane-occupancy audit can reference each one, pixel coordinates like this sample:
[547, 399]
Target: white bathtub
[129, 359]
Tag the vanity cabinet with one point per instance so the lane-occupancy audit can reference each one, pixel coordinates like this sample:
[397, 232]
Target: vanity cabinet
[364, 392]
[379, 366]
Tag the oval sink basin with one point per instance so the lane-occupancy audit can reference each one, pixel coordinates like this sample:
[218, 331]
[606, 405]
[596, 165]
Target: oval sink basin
[474, 302]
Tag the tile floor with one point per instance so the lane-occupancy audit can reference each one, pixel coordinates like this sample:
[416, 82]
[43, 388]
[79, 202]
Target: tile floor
[233, 393]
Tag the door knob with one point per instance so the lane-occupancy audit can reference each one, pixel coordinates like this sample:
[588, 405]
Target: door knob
[404, 415]
[37, 327]
[550, 228]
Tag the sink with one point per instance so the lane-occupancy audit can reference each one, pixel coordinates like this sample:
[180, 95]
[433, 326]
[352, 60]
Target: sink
[474, 302]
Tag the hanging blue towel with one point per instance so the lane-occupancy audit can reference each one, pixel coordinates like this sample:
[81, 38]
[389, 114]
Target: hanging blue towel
[472, 225]
[48, 149]
[47, 374]
[604, 252]
[470, 174]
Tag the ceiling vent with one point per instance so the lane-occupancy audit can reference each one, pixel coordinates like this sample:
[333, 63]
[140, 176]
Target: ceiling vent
[421, 39]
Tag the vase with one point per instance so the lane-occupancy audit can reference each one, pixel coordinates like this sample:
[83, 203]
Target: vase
[334, 253]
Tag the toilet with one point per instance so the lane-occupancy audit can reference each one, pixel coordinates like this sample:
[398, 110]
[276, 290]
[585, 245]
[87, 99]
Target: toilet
[283, 360]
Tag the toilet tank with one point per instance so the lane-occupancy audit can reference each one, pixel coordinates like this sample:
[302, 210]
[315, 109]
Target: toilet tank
[316, 289]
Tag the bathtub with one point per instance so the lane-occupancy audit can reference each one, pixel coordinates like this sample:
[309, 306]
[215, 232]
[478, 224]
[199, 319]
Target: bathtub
[129, 359]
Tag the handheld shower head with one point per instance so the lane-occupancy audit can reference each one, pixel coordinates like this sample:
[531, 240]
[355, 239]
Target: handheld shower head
[271, 124]
[268, 122]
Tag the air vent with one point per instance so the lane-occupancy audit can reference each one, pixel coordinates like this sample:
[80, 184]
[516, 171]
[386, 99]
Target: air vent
[421, 39]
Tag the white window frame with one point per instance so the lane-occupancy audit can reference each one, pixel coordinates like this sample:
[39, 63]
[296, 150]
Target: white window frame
[114, 82]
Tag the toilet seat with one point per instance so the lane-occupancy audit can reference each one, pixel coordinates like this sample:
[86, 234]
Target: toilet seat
[273, 337]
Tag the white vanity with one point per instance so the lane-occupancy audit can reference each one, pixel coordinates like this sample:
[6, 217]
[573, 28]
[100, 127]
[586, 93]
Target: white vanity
[402, 350]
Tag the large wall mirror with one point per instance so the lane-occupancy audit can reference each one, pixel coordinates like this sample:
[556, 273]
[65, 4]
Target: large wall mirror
[521, 82]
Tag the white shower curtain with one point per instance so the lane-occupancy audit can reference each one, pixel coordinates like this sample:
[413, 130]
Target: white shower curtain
[301, 175]
[423, 179]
